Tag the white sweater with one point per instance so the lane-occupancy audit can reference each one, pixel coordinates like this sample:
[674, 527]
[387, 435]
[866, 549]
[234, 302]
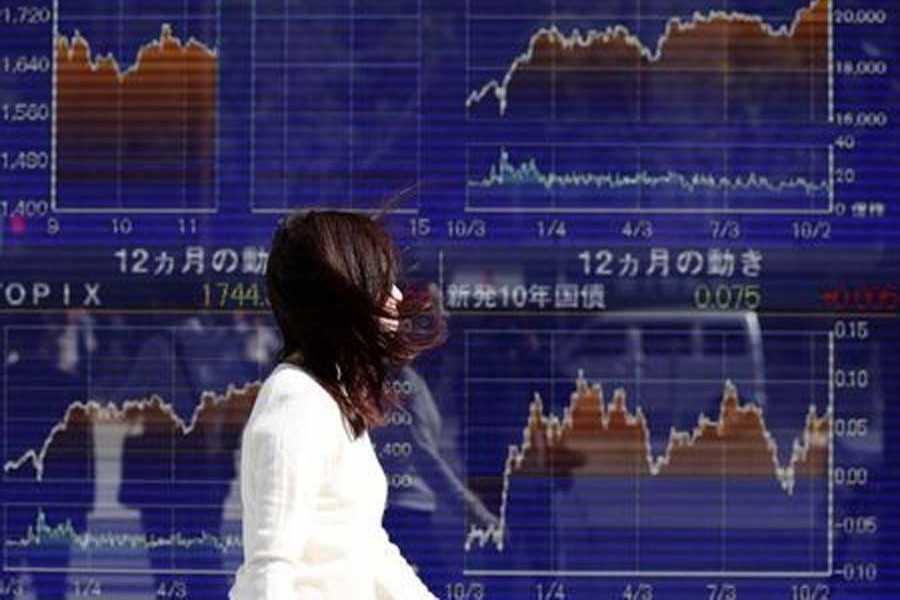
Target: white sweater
[313, 499]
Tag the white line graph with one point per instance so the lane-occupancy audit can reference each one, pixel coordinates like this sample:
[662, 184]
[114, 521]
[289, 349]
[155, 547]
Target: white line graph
[572, 33]
[824, 405]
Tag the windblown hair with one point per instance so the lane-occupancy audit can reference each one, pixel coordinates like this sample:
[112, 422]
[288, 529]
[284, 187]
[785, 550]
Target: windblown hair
[328, 277]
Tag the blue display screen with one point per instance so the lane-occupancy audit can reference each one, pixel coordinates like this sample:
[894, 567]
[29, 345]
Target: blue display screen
[664, 234]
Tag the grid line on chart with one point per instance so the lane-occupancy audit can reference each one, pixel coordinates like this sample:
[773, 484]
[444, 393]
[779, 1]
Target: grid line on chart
[352, 174]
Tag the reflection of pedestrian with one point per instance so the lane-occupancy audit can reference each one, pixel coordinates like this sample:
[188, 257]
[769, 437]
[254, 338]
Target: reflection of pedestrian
[65, 493]
[179, 481]
[408, 447]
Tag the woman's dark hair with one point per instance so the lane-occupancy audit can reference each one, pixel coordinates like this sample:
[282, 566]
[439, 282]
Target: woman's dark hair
[328, 277]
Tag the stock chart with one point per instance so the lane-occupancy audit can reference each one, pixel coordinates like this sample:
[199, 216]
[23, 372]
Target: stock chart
[664, 234]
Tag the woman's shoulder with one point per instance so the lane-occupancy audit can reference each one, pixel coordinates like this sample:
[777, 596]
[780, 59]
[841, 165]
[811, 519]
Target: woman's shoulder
[289, 392]
[294, 418]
